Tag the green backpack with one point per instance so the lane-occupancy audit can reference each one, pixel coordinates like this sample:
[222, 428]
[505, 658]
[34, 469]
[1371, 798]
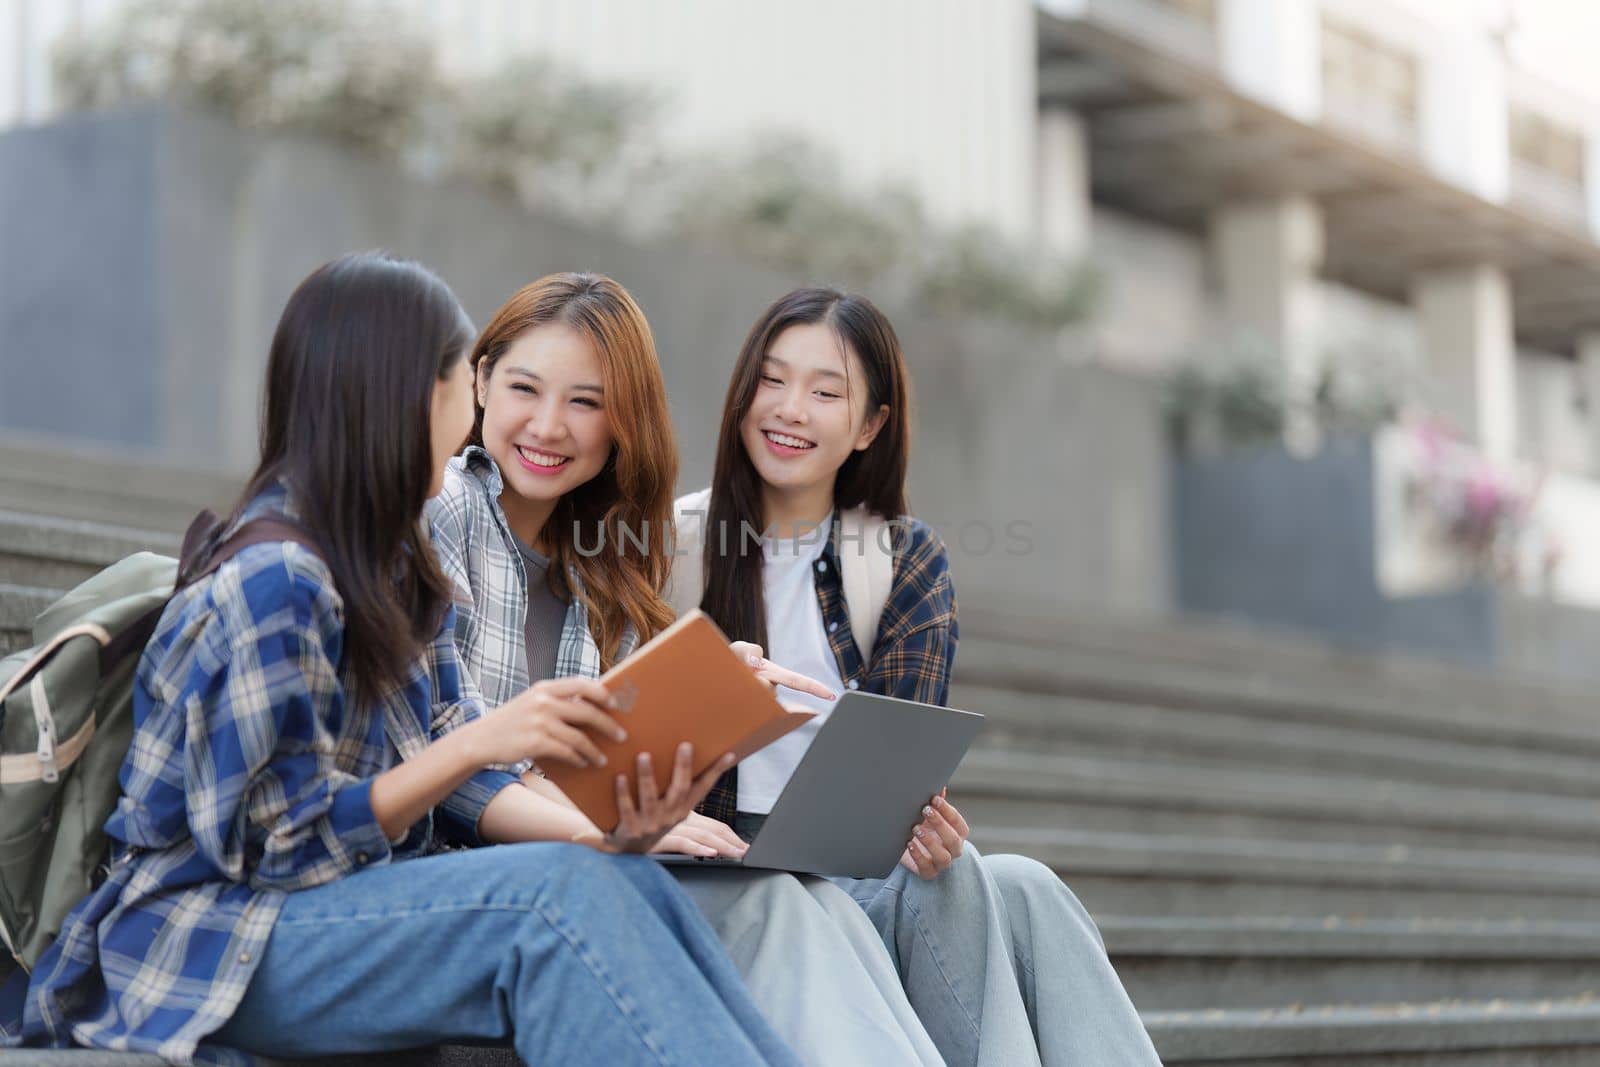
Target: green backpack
[66, 721]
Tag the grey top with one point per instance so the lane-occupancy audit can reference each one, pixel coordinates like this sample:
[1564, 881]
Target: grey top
[541, 630]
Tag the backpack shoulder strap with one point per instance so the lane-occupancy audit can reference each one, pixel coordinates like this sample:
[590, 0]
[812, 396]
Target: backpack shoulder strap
[866, 568]
[201, 533]
[686, 581]
[207, 527]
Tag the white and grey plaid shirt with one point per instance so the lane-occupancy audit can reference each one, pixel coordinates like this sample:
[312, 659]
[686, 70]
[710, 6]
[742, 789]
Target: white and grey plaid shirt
[479, 553]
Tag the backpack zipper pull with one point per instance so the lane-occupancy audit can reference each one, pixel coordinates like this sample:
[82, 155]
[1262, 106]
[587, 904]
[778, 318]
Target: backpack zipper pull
[47, 728]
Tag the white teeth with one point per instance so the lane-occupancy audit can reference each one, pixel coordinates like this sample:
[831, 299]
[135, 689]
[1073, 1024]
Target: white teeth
[539, 459]
[787, 441]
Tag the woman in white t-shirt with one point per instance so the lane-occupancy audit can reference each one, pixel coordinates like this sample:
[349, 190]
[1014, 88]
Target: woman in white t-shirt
[998, 958]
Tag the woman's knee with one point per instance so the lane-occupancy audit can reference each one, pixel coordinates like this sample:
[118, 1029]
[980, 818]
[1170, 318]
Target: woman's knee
[1031, 889]
[553, 866]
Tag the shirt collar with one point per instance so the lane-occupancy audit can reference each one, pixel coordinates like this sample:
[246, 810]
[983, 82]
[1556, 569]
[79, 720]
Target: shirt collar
[481, 465]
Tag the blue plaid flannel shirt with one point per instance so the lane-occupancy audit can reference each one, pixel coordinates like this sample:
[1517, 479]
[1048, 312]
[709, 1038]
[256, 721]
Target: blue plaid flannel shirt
[248, 778]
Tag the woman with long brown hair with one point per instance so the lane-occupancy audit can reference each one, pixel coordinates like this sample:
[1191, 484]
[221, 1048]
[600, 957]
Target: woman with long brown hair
[554, 525]
[303, 742]
[1001, 962]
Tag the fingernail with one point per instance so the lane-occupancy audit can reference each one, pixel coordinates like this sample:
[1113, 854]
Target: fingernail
[927, 813]
[918, 832]
[602, 762]
[622, 735]
[754, 661]
[685, 749]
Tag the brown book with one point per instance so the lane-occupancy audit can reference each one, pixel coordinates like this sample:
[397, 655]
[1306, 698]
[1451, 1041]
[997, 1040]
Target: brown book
[685, 684]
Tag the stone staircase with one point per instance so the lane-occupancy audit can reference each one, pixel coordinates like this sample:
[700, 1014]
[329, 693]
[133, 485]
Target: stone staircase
[1296, 855]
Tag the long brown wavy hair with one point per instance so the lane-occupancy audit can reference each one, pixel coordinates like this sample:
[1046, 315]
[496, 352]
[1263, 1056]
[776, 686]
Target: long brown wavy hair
[874, 478]
[627, 507]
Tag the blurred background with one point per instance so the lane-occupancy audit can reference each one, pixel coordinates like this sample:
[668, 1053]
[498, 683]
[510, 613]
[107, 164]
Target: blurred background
[1256, 346]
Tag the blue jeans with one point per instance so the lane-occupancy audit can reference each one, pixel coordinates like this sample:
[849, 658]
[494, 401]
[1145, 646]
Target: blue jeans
[1004, 966]
[573, 956]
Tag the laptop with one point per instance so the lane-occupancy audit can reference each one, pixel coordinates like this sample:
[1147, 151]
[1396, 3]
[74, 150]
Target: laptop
[852, 802]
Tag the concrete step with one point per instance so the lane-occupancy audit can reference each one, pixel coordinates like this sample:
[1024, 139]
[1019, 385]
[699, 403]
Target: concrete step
[1494, 1033]
[995, 664]
[1227, 738]
[1030, 790]
[1235, 647]
[53, 553]
[1118, 873]
[1176, 963]
[73, 481]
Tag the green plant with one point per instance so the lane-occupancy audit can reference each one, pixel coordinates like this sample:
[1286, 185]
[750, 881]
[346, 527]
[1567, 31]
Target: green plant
[557, 141]
[973, 271]
[783, 203]
[547, 136]
[326, 68]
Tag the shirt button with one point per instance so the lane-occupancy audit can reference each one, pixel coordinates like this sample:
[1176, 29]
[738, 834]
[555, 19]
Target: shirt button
[833, 627]
[852, 684]
[822, 566]
[362, 858]
[244, 957]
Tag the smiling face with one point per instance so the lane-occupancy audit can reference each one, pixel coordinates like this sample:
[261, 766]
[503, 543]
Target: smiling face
[544, 421]
[808, 413]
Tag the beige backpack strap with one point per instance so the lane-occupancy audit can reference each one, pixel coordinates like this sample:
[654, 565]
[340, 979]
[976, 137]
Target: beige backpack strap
[866, 567]
[686, 581]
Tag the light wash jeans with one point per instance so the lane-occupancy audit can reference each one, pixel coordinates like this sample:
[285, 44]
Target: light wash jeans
[1004, 966]
[815, 965]
[986, 945]
[573, 956]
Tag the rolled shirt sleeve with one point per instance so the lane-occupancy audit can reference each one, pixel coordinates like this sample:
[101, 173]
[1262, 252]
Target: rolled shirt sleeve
[455, 703]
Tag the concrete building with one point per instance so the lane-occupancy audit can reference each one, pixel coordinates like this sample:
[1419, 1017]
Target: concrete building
[1381, 182]
[1306, 177]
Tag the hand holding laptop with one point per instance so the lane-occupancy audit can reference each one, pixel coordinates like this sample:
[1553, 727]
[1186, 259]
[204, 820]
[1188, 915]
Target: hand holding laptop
[937, 840]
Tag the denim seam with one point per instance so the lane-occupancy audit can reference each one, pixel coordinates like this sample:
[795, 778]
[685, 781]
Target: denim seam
[551, 917]
[927, 939]
[432, 909]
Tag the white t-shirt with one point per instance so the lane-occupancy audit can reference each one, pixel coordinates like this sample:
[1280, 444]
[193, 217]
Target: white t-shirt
[796, 640]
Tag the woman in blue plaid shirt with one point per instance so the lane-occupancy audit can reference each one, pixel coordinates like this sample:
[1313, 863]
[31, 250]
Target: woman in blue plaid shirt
[1001, 962]
[304, 740]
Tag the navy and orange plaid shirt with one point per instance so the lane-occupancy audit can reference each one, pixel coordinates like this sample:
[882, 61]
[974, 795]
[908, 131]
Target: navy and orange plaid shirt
[916, 644]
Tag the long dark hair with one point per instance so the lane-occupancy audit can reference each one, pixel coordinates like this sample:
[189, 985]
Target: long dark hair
[345, 425]
[874, 478]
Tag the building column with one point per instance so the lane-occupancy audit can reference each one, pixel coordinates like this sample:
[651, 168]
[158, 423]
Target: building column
[1591, 183]
[1589, 382]
[1463, 114]
[1268, 254]
[1064, 203]
[1465, 319]
[1271, 50]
